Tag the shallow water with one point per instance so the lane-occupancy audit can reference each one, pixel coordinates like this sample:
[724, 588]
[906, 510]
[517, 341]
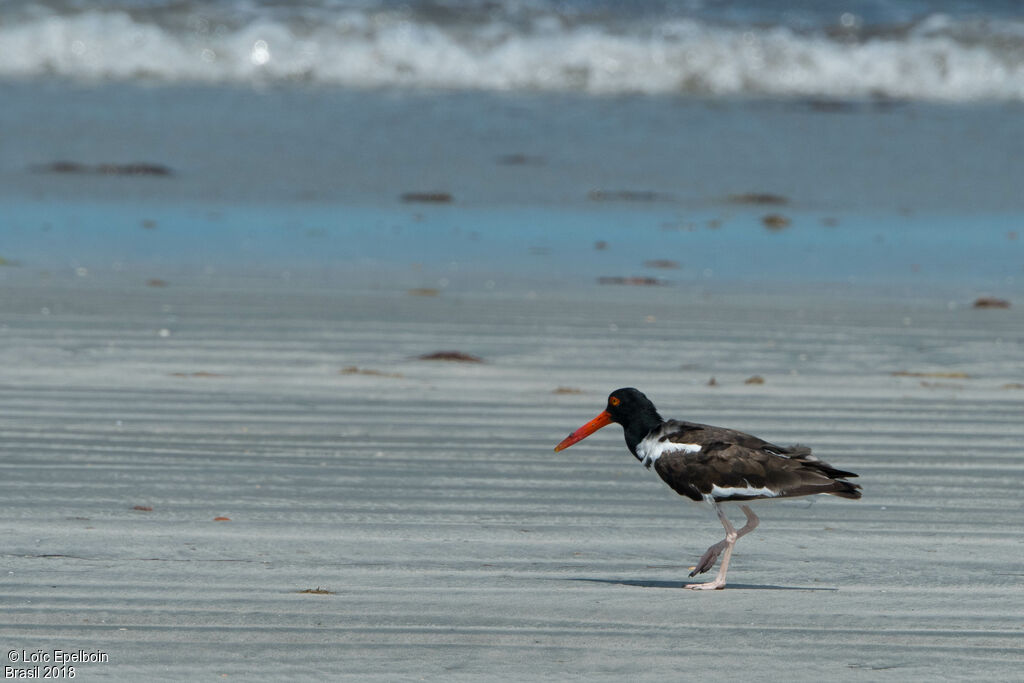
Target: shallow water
[543, 189]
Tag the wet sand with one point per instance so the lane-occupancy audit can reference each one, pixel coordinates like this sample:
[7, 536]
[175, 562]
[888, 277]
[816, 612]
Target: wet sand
[425, 498]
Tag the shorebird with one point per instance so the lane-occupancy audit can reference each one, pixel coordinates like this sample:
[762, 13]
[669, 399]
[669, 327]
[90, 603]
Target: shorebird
[715, 465]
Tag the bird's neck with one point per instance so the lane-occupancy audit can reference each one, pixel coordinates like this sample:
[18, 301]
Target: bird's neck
[640, 427]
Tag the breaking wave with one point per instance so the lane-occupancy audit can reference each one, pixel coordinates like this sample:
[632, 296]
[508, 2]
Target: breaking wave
[935, 58]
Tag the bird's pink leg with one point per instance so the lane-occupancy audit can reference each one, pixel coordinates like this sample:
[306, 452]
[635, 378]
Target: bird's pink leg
[707, 560]
[752, 521]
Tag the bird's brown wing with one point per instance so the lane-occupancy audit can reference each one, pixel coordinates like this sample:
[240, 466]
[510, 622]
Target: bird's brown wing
[724, 470]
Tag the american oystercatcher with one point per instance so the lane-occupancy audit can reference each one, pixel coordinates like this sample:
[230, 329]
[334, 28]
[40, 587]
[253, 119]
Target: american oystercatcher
[716, 465]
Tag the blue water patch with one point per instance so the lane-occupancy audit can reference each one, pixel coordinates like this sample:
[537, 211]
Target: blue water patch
[454, 244]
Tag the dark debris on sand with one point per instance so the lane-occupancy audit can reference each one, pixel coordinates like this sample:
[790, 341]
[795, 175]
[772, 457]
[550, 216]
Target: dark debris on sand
[991, 302]
[520, 160]
[775, 221]
[427, 198]
[758, 199]
[455, 356]
[140, 168]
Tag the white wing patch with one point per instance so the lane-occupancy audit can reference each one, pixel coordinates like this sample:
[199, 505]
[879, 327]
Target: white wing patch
[649, 450]
[729, 491]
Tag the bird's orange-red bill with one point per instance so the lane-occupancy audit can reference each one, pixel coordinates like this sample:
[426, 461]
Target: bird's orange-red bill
[602, 420]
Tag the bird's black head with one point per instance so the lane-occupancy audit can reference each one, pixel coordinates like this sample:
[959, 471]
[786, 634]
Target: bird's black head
[629, 408]
[629, 405]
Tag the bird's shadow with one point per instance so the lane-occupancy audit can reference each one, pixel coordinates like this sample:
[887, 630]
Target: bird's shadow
[641, 583]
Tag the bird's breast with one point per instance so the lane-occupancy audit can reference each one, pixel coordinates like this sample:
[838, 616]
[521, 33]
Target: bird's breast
[653, 447]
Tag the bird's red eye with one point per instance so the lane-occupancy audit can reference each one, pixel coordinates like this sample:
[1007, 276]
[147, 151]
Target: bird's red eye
[614, 401]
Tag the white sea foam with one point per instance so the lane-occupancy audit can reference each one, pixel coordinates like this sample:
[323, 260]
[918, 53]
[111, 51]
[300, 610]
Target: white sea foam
[936, 59]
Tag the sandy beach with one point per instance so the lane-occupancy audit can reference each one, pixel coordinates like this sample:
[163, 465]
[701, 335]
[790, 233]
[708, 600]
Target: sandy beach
[422, 502]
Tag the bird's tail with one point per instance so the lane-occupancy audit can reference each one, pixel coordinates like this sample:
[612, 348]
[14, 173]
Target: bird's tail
[845, 489]
[804, 455]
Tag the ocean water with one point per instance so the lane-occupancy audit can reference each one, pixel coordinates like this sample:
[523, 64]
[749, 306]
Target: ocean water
[941, 50]
[521, 250]
[574, 141]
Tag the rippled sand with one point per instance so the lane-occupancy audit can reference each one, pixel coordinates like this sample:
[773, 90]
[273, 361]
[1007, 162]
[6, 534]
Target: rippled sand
[425, 498]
